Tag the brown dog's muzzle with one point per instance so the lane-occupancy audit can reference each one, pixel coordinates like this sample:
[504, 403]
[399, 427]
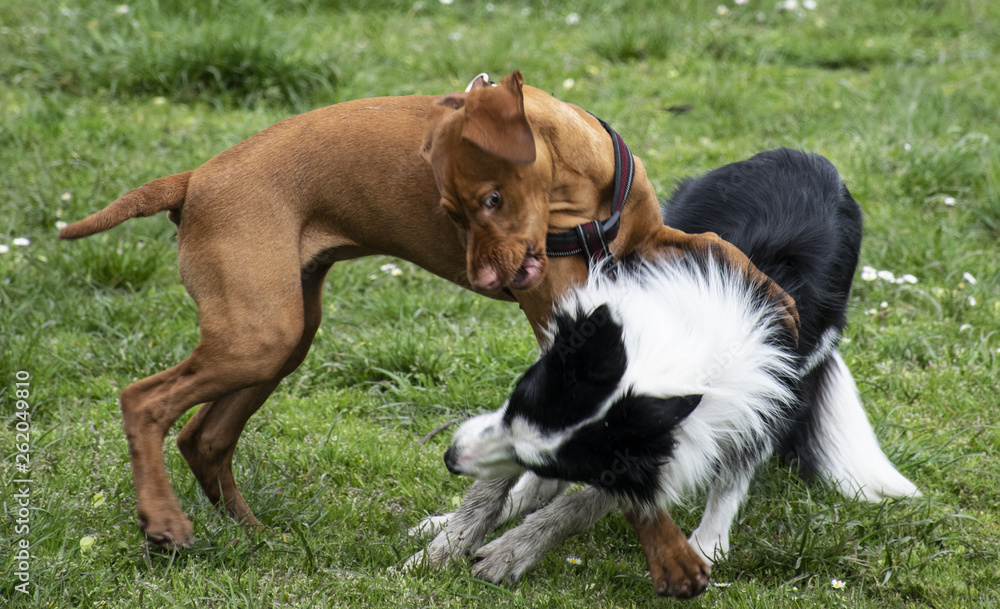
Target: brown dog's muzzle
[494, 263]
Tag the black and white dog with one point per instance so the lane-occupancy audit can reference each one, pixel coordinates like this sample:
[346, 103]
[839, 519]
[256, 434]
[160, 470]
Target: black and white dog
[678, 376]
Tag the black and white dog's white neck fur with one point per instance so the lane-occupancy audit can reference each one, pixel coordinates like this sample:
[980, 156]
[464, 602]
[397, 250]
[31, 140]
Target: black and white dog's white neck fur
[679, 376]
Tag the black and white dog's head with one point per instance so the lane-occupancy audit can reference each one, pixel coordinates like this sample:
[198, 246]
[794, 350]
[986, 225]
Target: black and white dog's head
[610, 402]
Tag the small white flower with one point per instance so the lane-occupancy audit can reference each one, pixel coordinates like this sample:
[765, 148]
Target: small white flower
[809, 5]
[573, 19]
[61, 225]
[396, 272]
[906, 147]
[573, 560]
[972, 301]
[21, 241]
[908, 278]
[722, 584]
[837, 584]
[721, 10]
[490, 8]
[446, 2]
[455, 36]
[525, 11]
[886, 275]
[159, 100]
[948, 200]
[568, 83]
[123, 9]
[740, 3]
[969, 278]
[66, 12]
[66, 196]
[4, 248]
[883, 305]
[789, 5]
[965, 328]
[871, 311]
[869, 273]
[388, 267]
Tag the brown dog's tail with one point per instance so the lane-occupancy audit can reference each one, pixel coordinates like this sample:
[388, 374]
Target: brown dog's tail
[162, 194]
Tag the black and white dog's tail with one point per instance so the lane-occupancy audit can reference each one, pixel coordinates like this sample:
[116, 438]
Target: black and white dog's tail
[839, 442]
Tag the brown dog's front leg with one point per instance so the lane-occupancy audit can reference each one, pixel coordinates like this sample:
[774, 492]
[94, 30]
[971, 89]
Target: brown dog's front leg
[674, 566]
[667, 241]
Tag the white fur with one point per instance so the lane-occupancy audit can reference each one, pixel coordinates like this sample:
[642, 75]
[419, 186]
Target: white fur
[827, 344]
[694, 332]
[848, 452]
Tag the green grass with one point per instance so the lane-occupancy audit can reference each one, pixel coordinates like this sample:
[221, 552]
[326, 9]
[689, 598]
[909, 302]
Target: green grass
[900, 96]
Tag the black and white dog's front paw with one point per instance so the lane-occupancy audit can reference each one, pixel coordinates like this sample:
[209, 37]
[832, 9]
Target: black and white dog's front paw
[463, 531]
[504, 560]
[447, 546]
[432, 525]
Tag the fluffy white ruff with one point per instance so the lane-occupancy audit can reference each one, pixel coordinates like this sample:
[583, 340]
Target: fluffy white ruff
[698, 329]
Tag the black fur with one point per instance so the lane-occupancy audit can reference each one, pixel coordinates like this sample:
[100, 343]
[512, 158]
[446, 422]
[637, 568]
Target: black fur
[791, 214]
[575, 376]
[623, 451]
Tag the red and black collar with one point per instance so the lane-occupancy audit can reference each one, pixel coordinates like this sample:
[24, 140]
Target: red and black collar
[593, 238]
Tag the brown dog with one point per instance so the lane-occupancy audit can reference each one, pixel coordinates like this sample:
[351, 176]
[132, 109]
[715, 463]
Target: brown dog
[260, 224]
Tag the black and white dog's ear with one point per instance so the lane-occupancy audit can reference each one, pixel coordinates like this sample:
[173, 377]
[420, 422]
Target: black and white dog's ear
[589, 347]
[677, 408]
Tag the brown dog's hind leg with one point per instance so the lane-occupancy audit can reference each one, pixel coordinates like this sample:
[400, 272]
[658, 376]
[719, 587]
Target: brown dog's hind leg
[209, 439]
[252, 320]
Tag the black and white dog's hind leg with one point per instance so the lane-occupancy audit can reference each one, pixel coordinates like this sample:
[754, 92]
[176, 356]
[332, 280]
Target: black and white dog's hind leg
[725, 497]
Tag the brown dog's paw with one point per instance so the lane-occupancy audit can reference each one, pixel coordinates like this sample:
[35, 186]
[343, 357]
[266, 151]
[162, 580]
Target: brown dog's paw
[168, 529]
[682, 575]
[675, 567]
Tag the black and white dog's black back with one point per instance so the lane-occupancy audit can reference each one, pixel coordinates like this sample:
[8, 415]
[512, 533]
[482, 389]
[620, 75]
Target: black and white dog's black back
[679, 375]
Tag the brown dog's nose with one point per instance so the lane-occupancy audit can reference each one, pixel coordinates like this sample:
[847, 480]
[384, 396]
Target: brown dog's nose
[451, 461]
[485, 278]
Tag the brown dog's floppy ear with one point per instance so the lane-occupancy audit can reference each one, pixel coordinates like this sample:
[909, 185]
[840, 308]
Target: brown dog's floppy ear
[495, 121]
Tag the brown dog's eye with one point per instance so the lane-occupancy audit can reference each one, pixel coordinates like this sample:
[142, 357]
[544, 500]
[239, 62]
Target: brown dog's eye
[493, 200]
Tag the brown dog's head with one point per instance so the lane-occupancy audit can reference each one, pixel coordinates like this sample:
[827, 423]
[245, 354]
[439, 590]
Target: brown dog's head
[492, 182]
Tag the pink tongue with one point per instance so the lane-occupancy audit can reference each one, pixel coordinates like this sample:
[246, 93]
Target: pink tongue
[527, 273]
